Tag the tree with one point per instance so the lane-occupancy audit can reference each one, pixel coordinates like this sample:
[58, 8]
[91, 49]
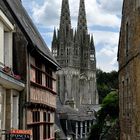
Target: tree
[110, 104]
[107, 118]
[106, 82]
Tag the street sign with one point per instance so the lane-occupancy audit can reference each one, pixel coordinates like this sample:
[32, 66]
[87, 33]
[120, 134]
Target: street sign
[19, 135]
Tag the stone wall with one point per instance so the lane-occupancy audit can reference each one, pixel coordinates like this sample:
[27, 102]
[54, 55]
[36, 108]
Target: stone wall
[129, 73]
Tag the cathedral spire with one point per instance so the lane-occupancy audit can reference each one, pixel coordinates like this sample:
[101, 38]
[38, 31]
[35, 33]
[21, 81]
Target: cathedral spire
[65, 22]
[92, 50]
[92, 43]
[54, 35]
[82, 22]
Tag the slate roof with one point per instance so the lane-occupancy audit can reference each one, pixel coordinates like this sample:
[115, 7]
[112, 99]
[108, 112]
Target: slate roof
[69, 113]
[30, 29]
[86, 112]
[59, 129]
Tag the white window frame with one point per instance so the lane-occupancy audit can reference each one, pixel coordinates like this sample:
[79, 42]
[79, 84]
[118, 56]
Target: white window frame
[6, 26]
[6, 21]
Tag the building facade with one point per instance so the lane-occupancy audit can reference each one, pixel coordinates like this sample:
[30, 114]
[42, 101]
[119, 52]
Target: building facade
[76, 81]
[27, 75]
[75, 52]
[129, 74]
[10, 85]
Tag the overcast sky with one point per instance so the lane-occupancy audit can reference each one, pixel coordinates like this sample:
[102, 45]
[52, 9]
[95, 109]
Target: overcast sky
[103, 19]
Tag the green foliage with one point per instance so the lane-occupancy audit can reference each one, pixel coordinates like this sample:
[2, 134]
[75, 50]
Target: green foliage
[110, 104]
[103, 90]
[108, 114]
[106, 82]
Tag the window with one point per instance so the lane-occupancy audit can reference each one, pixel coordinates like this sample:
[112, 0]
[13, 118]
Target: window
[45, 116]
[49, 78]
[38, 72]
[84, 128]
[92, 57]
[127, 96]
[41, 76]
[49, 117]
[127, 38]
[67, 51]
[6, 29]
[79, 131]
[61, 51]
[36, 132]
[36, 116]
[54, 52]
[58, 84]
[67, 61]
[49, 127]
[36, 128]
[123, 99]
[45, 125]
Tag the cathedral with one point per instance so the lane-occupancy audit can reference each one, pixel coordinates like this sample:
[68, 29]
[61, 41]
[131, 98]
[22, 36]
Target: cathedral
[75, 52]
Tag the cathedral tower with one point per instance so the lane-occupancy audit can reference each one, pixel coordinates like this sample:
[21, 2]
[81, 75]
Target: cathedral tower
[75, 52]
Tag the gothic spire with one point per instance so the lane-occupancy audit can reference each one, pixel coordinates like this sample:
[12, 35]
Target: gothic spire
[92, 50]
[82, 22]
[54, 44]
[65, 22]
[92, 47]
[54, 35]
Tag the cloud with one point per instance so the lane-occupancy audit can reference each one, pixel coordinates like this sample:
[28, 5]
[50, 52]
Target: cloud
[46, 14]
[105, 37]
[102, 13]
[106, 44]
[112, 7]
[98, 15]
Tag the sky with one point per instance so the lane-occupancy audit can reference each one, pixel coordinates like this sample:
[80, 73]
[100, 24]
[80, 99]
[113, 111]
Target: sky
[103, 20]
